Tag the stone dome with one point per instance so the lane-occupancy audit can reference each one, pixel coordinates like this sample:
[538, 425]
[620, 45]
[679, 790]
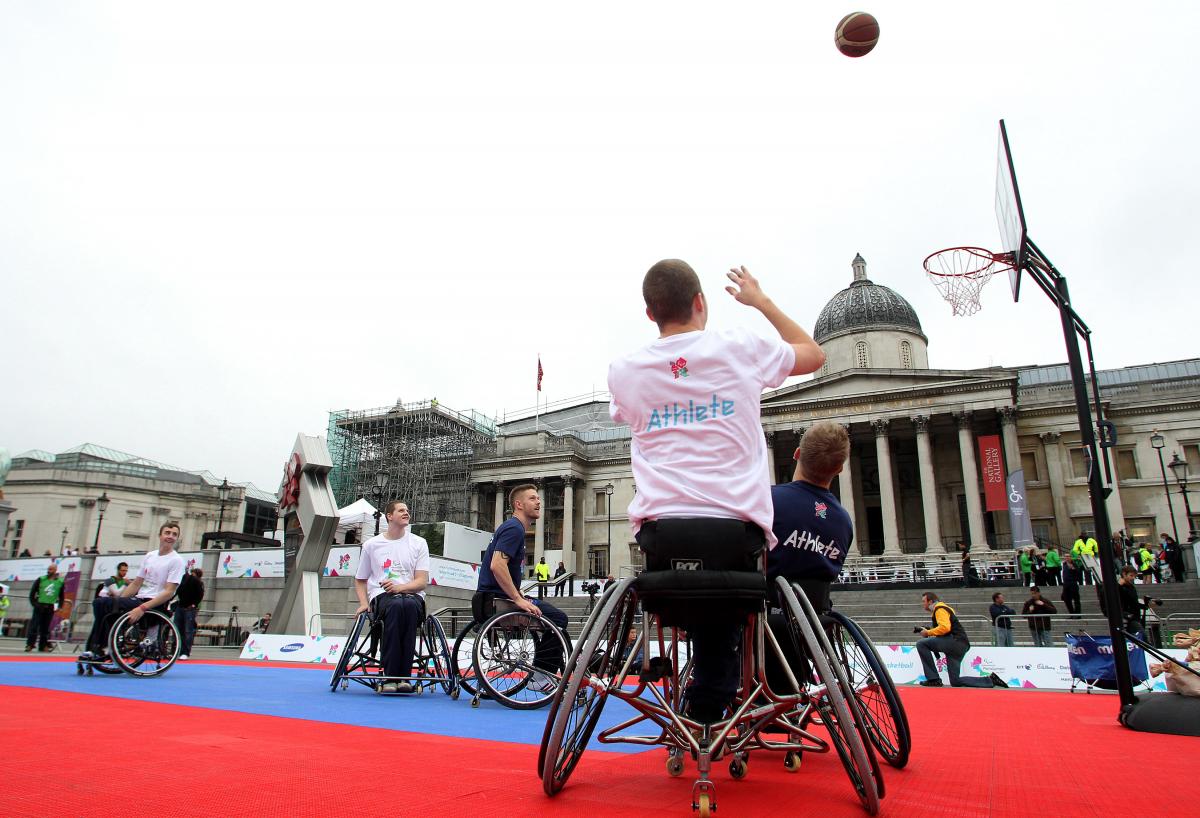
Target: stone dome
[865, 305]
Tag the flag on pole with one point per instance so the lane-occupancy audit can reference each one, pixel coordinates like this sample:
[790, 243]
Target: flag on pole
[539, 373]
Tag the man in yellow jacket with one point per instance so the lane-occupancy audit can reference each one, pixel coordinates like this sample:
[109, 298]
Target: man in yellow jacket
[1085, 551]
[542, 572]
[947, 636]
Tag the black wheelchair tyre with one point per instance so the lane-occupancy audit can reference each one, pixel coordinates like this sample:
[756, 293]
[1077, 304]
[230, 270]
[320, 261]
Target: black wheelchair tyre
[139, 655]
[463, 658]
[486, 653]
[882, 711]
[444, 666]
[349, 647]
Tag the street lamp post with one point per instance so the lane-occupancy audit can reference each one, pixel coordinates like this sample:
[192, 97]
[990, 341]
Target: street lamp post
[381, 481]
[62, 544]
[1158, 441]
[1179, 468]
[608, 492]
[223, 493]
[101, 505]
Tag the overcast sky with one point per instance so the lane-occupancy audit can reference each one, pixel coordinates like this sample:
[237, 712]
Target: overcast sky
[219, 221]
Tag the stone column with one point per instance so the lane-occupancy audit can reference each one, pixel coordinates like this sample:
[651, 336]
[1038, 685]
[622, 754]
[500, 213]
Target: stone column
[498, 516]
[568, 529]
[539, 528]
[966, 451]
[846, 481]
[771, 457]
[1008, 436]
[1058, 489]
[887, 489]
[933, 528]
[473, 507]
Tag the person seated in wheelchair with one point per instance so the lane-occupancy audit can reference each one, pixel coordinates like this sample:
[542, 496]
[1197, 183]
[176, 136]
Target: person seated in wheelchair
[814, 534]
[692, 400]
[153, 587]
[500, 580]
[393, 571]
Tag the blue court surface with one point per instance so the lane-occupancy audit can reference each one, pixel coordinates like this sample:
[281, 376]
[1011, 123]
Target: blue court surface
[303, 693]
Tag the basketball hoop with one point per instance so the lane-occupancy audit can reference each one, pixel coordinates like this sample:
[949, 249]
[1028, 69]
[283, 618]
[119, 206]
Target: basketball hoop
[959, 274]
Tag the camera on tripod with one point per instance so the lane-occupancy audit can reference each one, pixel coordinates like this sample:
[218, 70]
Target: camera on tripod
[591, 588]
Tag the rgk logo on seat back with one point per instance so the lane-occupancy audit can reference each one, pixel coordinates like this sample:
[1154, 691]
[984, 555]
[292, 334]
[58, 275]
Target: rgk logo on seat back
[687, 565]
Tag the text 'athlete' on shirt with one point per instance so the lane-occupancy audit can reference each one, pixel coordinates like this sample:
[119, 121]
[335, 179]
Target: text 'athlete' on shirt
[679, 415]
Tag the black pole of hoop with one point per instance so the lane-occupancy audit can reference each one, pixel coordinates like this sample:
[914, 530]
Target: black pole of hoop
[1054, 284]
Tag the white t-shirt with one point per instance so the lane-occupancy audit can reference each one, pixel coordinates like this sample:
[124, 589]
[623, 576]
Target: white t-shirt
[692, 402]
[157, 571]
[397, 560]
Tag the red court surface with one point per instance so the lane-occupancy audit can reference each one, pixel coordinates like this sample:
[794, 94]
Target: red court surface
[976, 753]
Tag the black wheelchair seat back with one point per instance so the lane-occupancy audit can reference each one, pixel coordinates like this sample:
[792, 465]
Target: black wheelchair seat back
[484, 606]
[701, 570]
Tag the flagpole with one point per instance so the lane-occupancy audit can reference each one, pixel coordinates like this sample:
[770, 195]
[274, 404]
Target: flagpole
[537, 397]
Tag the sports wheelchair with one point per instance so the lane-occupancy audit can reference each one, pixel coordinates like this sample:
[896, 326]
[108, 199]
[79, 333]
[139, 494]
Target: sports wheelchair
[759, 719]
[359, 660]
[494, 655]
[148, 647]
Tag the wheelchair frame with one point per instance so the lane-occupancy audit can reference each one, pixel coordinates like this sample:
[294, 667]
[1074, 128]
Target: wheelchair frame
[761, 719]
[131, 652]
[506, 664]
[359, 659]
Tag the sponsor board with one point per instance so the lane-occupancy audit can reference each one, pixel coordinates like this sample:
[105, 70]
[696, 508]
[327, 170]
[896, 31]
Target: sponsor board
[105, 565]
[250, 564]
[29, 569]
[291, 648]
[342, 561]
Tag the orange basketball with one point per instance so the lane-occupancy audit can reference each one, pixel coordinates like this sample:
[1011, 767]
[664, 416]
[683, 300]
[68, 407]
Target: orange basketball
[856, 34]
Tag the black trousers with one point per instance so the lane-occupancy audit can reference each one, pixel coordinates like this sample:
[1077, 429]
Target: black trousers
[1070, 598]
[400, 616]
[39, 625]
[105, 610]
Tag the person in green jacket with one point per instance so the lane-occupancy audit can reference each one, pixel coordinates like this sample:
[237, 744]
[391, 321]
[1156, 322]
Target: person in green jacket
[1025, 563]
[1053, 566]
[4, 603]
[45, 595]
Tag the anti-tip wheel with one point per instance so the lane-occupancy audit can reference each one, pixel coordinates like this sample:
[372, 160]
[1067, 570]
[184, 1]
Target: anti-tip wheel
[704, 805]
[791, 761]
[675, 766]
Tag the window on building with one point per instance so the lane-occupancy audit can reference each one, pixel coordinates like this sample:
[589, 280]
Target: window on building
[860, 352]
[1043, 531]
[601, 504]
[1029, 465]
[18, 533]
[1141, 529]
[1191, 453]
[598, 561]
[905, 355]
[637, 557]
[825, 368]
[1079, 464]
[1126, 464]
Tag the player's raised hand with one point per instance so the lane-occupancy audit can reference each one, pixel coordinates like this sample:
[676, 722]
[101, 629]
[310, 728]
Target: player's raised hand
[746, 289]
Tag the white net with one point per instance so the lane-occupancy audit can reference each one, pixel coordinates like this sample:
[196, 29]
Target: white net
[959, 275]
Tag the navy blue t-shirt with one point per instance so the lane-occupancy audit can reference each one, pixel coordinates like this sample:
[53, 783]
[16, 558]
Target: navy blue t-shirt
[813, 530]
[509, 539]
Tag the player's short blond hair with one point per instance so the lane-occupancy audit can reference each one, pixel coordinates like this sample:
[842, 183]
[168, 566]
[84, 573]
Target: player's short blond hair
[823, 450]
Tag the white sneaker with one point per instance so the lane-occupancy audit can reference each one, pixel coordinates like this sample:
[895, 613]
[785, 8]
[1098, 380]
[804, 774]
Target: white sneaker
[543, 682]
[183, 657]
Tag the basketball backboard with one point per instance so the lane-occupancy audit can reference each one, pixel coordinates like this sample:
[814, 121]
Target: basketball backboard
[1009, 215]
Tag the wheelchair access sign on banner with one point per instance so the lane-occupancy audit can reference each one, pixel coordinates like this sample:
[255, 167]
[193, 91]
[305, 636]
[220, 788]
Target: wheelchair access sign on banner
[280, 647]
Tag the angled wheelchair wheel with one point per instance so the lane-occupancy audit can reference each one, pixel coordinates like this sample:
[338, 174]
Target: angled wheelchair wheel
[882, 711]
[144, 648]
[440, 661]
[350, 651]
[463, 657]
[577, 705]
[504, 657]
[834, 705]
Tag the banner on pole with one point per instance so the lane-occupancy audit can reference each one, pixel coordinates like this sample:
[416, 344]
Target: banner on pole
[1018, 511]
[991, 464]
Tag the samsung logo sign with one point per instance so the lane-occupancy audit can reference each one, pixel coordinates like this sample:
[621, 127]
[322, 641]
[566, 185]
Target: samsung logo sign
[295, 646]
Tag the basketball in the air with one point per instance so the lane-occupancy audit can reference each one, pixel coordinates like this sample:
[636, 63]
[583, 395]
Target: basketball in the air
[856, 34]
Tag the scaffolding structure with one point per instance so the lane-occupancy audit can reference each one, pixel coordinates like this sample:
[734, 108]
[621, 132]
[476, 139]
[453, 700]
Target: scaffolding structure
[425, 448]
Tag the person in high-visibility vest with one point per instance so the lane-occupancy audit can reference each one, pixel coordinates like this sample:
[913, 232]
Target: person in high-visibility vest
[1146, 563]
[1084, 550]
[542, 572]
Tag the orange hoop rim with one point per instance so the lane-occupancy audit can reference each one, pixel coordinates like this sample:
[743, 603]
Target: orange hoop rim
[989, 263]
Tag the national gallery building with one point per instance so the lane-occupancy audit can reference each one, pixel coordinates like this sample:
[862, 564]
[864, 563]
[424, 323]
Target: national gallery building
[912, 482]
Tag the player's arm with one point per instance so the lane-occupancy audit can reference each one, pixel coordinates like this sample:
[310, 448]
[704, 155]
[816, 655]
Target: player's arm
[414, 586]
[499, 566]
[132, 588]
[160, 598]
[942, 617]
[360, 590]
[747, 290]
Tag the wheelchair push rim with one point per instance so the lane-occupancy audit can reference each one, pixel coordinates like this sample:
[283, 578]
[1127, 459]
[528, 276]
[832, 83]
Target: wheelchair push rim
[504, 658]
[139, 654]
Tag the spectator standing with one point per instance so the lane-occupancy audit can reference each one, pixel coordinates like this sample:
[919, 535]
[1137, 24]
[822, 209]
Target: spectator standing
[558, 572]
[1040, 625]
[45, 595]
[542, 572]
[1025, 562]
[114, 584]
[1145, 564]
[1053, 566]
[1084, 550]
[1070, 583]
[1001, 616]
[967, 570]
[4, 603]
[1174, 558]
[187, 602]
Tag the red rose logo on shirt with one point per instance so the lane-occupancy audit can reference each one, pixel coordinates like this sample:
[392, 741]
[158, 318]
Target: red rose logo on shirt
[387, 564]
[820, 509]
[679, 368]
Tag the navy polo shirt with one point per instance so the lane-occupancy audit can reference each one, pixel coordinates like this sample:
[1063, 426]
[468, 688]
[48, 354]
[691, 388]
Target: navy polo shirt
[509, 539]
[813, 530]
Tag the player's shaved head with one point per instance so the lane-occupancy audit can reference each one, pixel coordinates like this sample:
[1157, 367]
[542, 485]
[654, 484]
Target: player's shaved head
[669, 288]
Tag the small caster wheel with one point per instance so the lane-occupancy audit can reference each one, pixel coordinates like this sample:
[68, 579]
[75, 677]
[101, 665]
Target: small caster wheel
[90, 671]
[737, 768]
[419, 689]
[345, 684]
[675, 766]
[454, 695]
[475, 701]
[791, 761]
[704, 805]
[79, 668]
